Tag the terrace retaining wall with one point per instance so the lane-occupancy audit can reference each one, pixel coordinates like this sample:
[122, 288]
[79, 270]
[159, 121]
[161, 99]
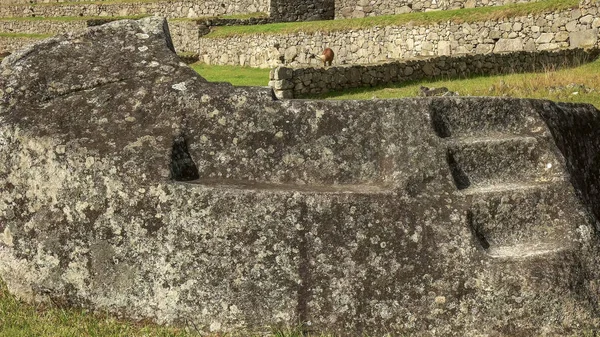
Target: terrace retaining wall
[576, 28]
[294, 82]
[345, 9]
[174, 9]
[326, 9]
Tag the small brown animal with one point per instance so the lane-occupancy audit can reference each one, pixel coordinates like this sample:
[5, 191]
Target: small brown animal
[327, 56]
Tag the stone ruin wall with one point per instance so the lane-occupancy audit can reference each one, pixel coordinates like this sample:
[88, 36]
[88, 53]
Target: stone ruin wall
[42, 26]
[345, 9]
[295, 82]
[576, 28]
[301, 10]
[183, 32]
[8, 44]
[281, 10]
[175, 9]
[27, 2]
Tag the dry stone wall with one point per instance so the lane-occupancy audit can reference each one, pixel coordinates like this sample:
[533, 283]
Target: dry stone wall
[345, 9]
[576, 28]
[295, 82]
[41, 26]
[185, 33]
[9, 44]
[171, 9]
[26, 2]
[302, 10]
[340, 8]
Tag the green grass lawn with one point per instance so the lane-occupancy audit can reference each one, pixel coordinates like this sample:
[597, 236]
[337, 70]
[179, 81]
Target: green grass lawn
[577, 85]
[72, 18]
[234, 75]
[18, 319]
[416, 18]
[580, 84]
[23, 320]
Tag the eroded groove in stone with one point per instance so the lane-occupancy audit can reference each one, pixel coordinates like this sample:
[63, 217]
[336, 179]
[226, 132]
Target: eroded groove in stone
[338, 214]
[262, 186]
[476, 231]
[461, 180]
[183, 167]
[440, 124]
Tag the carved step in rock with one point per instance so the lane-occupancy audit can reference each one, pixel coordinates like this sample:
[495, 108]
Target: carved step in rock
[488, 119]
[477, 162]
[525, 221]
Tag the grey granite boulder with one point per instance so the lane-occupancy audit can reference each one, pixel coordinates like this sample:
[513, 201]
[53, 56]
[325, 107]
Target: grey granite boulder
[130, 185]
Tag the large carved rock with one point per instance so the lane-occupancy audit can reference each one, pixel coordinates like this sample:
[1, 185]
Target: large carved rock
[128, 184]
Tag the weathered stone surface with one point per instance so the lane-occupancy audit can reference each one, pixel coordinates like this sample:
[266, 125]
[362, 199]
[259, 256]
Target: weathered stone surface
[508, 45]
[131, 185]
[373, 44]
[583, 39]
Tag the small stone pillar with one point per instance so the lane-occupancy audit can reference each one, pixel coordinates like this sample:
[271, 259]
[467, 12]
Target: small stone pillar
[280, 79]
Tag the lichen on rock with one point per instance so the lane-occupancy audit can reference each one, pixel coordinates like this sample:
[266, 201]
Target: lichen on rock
[129, 184]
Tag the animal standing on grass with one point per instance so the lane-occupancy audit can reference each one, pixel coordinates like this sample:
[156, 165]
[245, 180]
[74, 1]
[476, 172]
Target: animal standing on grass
[327, 56]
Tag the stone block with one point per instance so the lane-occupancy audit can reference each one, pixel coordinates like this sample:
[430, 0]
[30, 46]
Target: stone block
[444, 48]
[544, 38]
[508, 45]
[484, 48]
[583, 39]
[561, 36]
[548, 46]
[281, 73]
[587, 19]
[402, 10]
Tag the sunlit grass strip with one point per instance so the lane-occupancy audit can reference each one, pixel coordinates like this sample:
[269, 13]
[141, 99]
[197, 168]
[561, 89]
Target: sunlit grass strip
[73, 18]
[229, 16]
[235, 75]
[25, 35]
[23, 320]
[565, 85]
[417, 18]
[19, 319]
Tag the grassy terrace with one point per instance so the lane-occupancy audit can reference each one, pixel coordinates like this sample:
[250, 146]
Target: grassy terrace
[108, 2]
[578, 85]
[70, 18]
[25, 35]
[417, 18]
[134, 17]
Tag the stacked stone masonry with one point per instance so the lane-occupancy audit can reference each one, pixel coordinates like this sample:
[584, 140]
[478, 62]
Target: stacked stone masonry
[302, 10]
[295, 82]
[27, 2]
[281, 10]
[169, 9]
[8, 44]
[184, 33]
[41, 26]
[342, 9]
[576, 28]
[345, 9]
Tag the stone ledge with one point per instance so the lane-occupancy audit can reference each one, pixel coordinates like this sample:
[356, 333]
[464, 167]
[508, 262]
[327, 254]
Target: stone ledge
[310, 80]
